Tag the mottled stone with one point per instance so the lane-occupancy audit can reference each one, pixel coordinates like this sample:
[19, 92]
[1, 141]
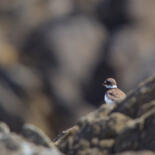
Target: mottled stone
[35, 135]
[12, 144]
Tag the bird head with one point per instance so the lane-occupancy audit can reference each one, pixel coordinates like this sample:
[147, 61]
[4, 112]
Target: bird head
[110, 83]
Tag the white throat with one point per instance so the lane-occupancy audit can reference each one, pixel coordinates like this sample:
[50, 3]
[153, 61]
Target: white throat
[114, 86]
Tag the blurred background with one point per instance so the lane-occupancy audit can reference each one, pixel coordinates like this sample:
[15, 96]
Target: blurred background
[54, 55]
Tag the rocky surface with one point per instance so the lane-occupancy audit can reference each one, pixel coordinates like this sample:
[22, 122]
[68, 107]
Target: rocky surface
[127, 128]
[120, 129]
[13, 144]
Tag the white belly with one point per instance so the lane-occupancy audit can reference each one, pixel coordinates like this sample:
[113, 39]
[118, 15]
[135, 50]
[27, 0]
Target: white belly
[107, 100]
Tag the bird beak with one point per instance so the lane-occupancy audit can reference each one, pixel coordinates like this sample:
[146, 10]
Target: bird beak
[103, 84]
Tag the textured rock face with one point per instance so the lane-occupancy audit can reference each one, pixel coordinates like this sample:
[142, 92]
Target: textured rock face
[128, 126]
[13, 144]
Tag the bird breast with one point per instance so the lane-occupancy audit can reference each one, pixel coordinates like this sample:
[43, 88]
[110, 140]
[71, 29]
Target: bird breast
[107, 100]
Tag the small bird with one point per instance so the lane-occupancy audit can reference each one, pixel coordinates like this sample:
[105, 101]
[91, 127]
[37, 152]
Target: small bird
[113, 94]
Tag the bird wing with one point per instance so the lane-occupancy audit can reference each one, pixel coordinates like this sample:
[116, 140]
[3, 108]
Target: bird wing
[116, 96]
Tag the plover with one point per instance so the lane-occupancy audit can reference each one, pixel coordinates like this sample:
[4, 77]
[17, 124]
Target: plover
[113, 94]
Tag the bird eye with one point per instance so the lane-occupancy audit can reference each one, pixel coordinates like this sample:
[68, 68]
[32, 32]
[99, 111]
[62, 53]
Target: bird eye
[108, 83]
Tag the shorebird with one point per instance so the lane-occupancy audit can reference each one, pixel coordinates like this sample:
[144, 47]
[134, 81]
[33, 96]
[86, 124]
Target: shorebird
[113, 94]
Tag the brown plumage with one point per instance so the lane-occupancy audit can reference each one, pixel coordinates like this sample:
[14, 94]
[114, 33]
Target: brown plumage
[115, 94]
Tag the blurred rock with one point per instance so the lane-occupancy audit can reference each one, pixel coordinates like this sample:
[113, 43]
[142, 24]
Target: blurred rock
[4, 128]
[139, 36]
[136, 153]
[19, 17]
[12, 144]
[112, 14]
[64, 53]
[142, 13]
[77, 44]
[35, 135]
[140, 53]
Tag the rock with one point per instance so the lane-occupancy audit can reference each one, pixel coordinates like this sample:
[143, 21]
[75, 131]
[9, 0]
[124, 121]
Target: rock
[123, 127]
[137, 153]
[36, 136]
[138, 34]
[93, 131]
[4, 128]
[54, 50]
[12, 144]
[138, 134]
[139, 101]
